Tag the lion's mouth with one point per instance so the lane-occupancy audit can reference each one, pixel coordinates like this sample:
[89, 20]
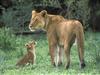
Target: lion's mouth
[32, 29]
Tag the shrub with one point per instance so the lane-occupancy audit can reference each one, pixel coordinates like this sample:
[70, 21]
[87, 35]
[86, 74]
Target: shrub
[17, 16]
[97, 50]
[79, 9]
[20, 12]
[94, 43]
[7, 39]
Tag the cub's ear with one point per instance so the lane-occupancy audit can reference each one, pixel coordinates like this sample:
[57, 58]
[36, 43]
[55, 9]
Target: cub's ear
[34, 42]
[26, 44]
[43, 13]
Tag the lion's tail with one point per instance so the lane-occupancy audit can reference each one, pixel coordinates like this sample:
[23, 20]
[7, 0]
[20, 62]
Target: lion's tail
[80, 42]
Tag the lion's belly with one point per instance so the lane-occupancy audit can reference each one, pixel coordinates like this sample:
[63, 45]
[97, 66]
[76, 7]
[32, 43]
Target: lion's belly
[64, 36]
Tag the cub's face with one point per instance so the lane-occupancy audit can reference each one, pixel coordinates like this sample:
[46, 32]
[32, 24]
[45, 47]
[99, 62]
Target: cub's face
[31, 45]
[37, 20]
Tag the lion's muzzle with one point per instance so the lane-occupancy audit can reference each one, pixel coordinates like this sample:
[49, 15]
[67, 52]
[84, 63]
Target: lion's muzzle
[31, 28]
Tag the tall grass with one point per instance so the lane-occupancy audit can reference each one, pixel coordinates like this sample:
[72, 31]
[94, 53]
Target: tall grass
[93, 46]
[43, 62]
[7, 39]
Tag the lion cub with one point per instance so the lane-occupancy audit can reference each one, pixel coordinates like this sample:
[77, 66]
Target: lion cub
[30, 56]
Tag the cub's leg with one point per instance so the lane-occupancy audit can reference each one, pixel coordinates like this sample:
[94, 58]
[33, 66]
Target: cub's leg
[32, 61]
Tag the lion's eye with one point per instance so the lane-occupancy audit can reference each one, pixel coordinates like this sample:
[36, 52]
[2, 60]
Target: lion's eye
[34, 19]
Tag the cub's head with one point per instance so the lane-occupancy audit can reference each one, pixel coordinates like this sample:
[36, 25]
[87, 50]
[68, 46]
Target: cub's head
[37, 20]
[31, 45]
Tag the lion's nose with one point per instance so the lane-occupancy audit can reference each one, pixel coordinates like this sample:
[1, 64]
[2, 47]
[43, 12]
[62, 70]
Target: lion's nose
[30, 26]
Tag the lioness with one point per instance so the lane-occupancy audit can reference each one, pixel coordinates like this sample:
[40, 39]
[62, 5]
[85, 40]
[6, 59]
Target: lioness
[61, 33]
[30, 56]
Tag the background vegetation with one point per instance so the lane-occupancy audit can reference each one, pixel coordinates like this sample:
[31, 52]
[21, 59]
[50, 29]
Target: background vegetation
[43, 65]
[18, 12]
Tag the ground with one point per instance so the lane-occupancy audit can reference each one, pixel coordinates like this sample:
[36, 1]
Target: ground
[43, 65]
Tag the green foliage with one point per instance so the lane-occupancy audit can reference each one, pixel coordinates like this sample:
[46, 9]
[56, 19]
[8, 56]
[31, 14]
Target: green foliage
[96, 44]
[53, 3]
[20, 12]
[93, 44]
[17, 16]
[43, 62]
[8, 18]
[79, 10]
[7, 39]
[98, 13]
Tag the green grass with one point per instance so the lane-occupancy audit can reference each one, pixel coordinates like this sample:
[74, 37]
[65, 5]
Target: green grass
[43, 65]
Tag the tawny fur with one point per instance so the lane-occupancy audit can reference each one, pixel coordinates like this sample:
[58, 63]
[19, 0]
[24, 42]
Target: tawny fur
[29, 57]
[61, 33]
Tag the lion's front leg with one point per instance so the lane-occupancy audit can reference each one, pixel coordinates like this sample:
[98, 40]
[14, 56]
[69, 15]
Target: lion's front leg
[52, 46]
[52, 49]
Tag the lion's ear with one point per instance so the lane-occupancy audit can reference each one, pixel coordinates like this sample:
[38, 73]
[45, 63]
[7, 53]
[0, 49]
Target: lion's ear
[33, 12]
[43, 13]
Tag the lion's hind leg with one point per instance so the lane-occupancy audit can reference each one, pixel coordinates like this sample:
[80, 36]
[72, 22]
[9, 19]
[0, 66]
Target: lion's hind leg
[67, 48]
[60, 60]
[67, 55]
[80, 44]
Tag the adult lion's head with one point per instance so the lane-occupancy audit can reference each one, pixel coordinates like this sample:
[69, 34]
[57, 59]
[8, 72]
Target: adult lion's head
[37, 20]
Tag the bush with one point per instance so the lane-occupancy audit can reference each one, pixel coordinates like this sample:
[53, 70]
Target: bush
[97, 51]
[20, 13]
[7, 39]
[79, 10]
[94, 44]
[17, 16]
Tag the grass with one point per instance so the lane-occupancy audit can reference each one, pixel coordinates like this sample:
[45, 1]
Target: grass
[43, 65]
